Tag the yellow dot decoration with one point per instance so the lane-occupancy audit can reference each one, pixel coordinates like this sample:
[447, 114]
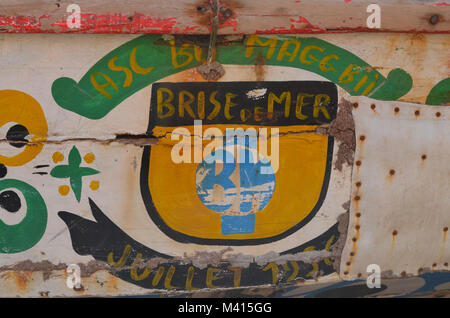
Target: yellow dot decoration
[64, 190]
[89, 157]
[57, 157]
[94, 185]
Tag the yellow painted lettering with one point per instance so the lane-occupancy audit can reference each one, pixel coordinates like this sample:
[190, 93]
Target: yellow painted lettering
[320, 105]
[134, 271]
[189, 278]
[159, 273]
[314, 265]
[274, 98]
[216, 110]
[348, 75]
[122, 261]
[300, 104]
[185, 104]
[259, 113]
[274, 268]
[126, 70]
[228, 105]
[237, 275]
[245, 114]
[180, 52]
[254, 40]
[327, 248]
[168, 279]
[283, 50]
[309, 59]
[370, 87]
[162, 103]
[211, 276]
[360, 83]
[136, 67]
[201, 104]
[324, 66]
[101, 88]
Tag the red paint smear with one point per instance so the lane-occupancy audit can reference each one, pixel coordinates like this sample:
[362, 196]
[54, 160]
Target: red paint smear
[441, 4]
[22, 24]
[118, 23]
[231, 22]
[92, 23]
[348, 1]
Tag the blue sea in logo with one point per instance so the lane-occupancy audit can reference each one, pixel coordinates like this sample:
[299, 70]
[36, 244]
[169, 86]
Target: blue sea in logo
[218, 191]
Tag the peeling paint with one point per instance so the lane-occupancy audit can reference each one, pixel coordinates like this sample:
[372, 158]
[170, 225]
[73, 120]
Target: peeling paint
[343, 129]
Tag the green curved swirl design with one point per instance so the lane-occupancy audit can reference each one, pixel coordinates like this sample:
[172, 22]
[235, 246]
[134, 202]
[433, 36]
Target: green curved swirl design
[24, 235]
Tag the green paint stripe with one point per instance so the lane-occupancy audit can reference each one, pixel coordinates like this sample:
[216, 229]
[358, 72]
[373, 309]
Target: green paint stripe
[117, 79]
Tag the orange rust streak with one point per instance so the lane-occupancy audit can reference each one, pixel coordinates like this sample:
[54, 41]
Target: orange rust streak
[357, 228]
[22, 279]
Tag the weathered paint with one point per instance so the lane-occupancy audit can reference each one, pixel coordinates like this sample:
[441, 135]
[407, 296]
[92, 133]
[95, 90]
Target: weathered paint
[235, 17]
[399, 191]
[135, 221]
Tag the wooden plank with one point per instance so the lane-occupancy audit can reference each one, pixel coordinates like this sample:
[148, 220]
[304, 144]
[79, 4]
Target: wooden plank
[235, 17]
[87, 171]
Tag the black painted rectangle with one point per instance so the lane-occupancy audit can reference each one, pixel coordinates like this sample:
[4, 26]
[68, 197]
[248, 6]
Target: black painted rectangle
[294, 103]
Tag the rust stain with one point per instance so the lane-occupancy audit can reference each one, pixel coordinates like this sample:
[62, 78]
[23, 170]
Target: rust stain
[22, 279]
[44, 293]
[434, 18]
[201, 11]
[190, 75]
[260, 70]
[394, 236]
[80, 289]
[343, 129]
[391, 175]
[357, 229]
[444, 241]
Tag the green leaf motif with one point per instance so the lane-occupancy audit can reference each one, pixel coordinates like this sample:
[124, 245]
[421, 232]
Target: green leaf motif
[74, 172]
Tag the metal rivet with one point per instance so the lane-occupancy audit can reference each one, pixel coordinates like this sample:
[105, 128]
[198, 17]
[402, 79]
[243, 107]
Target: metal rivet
[396, 109]
[395, 233]
[373, 106]
[392, 172]
[358, 162]
[358, 184]
[362, 137]
[434, 19]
